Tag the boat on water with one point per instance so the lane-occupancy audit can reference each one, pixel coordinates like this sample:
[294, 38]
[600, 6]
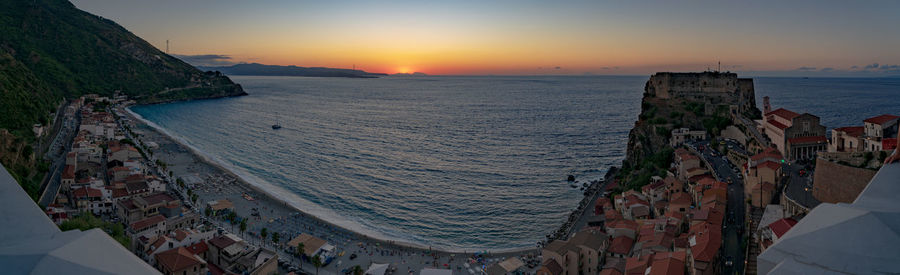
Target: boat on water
[276, 126]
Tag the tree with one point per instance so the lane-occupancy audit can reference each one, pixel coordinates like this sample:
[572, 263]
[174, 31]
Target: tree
[317, 262]
[243, 226]
[264, 232]
[301, 249]
[275, 238]
[357, 270]
[231, 217]
[208, 212]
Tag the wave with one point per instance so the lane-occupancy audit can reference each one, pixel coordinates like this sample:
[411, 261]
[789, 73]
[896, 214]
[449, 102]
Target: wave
[356, 225]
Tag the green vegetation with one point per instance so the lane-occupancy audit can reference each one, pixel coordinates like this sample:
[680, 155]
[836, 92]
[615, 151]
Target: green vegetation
[51, 51]
[86, 221]
[696, 108]
[656, 165]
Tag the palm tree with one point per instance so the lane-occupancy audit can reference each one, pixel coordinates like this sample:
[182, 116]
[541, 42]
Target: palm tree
[357, 270]
[275, 238]
[317, 262]
[243, 226]
[264, 232]
[301, 249]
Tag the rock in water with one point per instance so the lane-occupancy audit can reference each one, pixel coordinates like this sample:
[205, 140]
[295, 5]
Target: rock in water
[571, 178]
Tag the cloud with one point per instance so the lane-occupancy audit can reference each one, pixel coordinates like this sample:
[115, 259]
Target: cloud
[854, 67]
[871, 66]
[557, 68]
[206, 59]
[828, 69]
[806, 69]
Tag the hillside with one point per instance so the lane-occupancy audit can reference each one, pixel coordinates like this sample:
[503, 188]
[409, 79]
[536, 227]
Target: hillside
[275, 70]
[50, 51]
[706, 101]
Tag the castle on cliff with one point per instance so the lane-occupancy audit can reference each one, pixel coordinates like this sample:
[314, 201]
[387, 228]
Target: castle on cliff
[711, 87]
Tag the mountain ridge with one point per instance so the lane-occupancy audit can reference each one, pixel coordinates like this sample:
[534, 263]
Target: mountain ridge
[291, 70]
[51, 51]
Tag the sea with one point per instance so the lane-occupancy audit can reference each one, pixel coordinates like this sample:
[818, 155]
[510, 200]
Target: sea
[452, 162]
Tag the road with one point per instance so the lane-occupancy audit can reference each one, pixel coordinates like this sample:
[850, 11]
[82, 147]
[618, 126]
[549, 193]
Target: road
[734, 219]
[61, 144]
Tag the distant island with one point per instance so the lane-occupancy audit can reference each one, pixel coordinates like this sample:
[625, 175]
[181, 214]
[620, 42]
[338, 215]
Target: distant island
[276, 70]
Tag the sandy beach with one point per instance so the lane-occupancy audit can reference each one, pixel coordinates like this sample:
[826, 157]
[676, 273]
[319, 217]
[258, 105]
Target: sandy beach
[214, 182]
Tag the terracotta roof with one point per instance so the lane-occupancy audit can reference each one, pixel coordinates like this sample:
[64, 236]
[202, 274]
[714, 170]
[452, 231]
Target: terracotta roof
[623, 224]
[145, 223]
[776, 124]
[680, 198]
[637, 265]
[553, 267]
[671, 263]
[882, 119]
[119, 192]
[610, 271]
[769, 164]
[69, 172]
[621, 245]
[158, 198]
[175, 260]
[198, 248]
[770, 152]
[132, 187]
[699, 178]
[87, 192]
[812, 139]
[181, 234]
[855, 131]
[221, 242]
[127, 204]
[780, 227]
[688, 156]
[784, 113]
[707, 241]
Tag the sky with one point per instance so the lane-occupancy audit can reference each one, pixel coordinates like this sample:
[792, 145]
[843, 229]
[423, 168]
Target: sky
[802, 38]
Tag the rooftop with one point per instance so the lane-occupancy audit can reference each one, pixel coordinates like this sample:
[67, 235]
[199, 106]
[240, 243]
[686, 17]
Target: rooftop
[784, 113]
[882, 119]
[32, 244]
[857, 238]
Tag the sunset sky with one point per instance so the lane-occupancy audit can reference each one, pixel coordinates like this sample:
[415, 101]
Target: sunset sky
[525, 37]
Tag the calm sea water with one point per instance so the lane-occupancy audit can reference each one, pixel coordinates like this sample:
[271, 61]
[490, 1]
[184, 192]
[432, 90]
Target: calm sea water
[451, 162]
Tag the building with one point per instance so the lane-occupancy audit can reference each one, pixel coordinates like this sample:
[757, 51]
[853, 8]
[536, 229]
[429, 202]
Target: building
[232, 254]
[762, 169]
[797, 136]
[772, 232]
[33, 244]
[680, 135]
[857, 238]
[712, 88]
[847, 139]
[180, 261]
[581, 254]
[878, 128]
[705, 240]
[687, 164]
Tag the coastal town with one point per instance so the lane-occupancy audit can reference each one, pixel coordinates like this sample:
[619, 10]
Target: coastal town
[725, 196]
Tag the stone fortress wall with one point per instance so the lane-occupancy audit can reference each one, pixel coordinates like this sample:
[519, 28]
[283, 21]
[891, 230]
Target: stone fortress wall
[712, 88]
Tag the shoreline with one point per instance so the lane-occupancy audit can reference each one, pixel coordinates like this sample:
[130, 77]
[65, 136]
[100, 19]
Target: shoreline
[283, 203]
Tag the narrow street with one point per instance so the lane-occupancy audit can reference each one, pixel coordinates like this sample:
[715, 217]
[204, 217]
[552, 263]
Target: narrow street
[733, 228]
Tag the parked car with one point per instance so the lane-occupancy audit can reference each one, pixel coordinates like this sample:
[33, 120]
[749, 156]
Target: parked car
[352, 256]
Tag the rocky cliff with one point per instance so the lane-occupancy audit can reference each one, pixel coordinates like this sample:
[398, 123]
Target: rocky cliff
[707, 100]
